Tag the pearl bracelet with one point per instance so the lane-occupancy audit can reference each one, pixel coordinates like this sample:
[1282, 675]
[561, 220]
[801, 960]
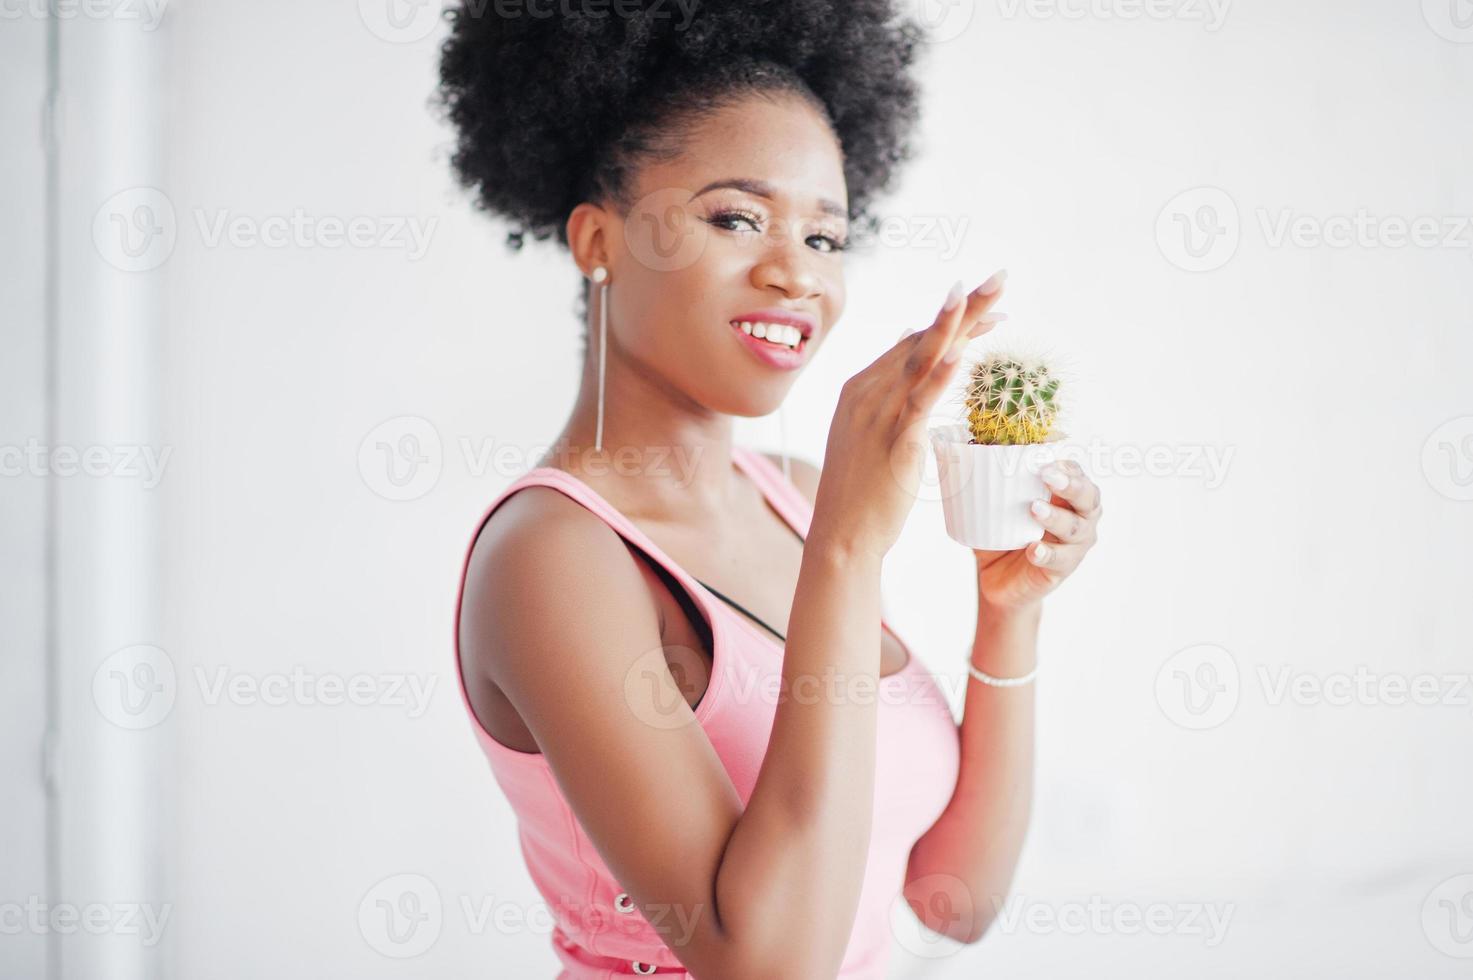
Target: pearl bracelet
[1001, 681]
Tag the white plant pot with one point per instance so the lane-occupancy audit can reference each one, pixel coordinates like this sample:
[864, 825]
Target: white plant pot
[986, 491]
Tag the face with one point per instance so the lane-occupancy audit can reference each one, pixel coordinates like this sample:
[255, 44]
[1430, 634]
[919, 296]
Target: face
[744, 227]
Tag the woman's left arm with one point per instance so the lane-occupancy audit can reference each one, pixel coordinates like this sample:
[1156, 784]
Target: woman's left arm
[960, 870]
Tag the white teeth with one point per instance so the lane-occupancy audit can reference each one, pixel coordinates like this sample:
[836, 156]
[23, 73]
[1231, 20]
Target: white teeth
[777, 333]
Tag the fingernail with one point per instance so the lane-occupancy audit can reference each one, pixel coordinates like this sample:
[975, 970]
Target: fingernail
[953, 298]
[905, 333]
[992, 318]
[1042, 554]
[993, 284]
[955, 351]
[1056, 479]
[1040, 508]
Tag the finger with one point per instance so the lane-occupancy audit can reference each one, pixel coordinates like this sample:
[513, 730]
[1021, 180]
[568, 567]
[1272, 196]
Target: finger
[942, 347]
[1067, 480]
[1060, 559]
[930, 344]
[1062, 522]
[977, 319]
[984, 323]
[928, 390]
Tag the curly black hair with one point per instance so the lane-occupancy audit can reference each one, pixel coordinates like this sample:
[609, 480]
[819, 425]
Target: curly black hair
[555, 102]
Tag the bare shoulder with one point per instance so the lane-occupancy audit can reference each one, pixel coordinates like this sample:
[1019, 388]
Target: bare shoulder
[804, 474]
[531, 559]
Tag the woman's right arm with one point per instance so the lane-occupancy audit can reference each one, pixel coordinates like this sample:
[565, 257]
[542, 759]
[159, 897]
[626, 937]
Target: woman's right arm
[558, 613]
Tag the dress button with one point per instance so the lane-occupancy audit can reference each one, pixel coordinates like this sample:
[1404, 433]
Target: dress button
[622, 902]
[643, 969]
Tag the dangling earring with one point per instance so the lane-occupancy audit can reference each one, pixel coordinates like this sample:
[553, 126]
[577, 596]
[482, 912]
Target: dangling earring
[601, 276]
[782, 428]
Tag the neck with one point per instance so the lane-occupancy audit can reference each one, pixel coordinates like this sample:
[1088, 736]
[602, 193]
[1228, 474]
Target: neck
[663, 454]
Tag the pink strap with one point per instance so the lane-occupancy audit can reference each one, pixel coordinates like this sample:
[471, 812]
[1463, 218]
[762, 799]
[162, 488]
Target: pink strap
[781, 492]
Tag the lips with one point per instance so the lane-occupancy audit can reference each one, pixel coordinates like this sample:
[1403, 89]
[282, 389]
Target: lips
[805, 323]
[771, 354]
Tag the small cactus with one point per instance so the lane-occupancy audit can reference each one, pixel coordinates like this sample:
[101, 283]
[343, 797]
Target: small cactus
[1011, 400]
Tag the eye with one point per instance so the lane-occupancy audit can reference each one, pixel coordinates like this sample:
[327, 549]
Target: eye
[834, 244]
[721, 218]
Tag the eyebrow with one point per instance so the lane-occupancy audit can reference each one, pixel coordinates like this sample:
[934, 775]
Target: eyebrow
[761, 188]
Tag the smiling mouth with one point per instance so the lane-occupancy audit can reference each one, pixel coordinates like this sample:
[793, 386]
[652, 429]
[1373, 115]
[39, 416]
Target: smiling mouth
[780, 335]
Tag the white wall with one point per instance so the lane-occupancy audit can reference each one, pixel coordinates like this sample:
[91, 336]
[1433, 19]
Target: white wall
[1336, 536]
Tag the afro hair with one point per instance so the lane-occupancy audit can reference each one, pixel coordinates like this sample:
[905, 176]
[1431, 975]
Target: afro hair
[555, 102]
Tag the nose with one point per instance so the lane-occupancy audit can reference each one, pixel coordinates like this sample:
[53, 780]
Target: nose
[787, 265]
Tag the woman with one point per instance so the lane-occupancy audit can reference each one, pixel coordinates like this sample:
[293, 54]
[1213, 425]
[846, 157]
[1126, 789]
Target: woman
[722, 760]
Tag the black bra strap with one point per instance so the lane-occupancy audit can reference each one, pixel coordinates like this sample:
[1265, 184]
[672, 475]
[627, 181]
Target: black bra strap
[743, 609]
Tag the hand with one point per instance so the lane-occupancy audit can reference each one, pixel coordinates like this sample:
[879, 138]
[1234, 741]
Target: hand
[1014, 579]
[877, 441]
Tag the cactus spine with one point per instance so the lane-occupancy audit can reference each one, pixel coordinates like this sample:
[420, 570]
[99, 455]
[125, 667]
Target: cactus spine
[1011, 400]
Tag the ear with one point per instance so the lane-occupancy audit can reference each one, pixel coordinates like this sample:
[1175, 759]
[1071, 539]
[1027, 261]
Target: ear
[588, 229]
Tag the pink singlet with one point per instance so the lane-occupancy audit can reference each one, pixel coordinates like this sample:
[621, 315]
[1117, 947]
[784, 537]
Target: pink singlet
[600, 935]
